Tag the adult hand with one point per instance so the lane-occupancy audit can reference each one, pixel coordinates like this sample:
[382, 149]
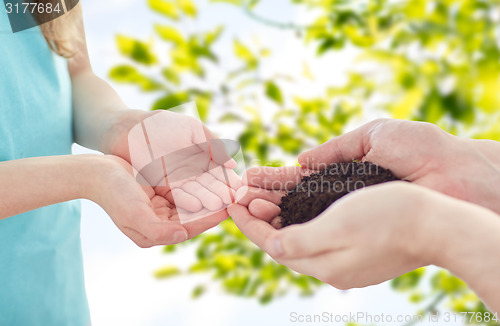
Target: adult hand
[423, 154]
[383, 231]
[365, 238]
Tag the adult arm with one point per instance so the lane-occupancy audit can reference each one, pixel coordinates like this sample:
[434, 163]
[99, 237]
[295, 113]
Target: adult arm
[468, 245]
[382, 232]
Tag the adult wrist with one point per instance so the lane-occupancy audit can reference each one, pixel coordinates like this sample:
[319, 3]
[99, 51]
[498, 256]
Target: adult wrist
[425, 245]
[470, 249]
[458, 231]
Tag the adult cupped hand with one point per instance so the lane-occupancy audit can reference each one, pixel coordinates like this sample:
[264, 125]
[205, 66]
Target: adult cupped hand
[421, 153]
[414, 151]
[365, 238]
[378, 233]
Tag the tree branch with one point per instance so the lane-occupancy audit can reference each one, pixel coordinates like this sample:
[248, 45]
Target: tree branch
[272, 23]
[430, 308]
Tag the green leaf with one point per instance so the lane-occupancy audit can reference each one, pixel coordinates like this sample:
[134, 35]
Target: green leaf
[458, 107]
[169, 33]
[170, 249]
[167, 271]
[331, 43]
[443, 280]
[253, 3]
[188, 7]
[166, 8]
[257, 259]
[202, 265]
[244, 53]
[231, 117]
[135, 50]
[171, 75]
[408, 281]
[171, 101]
[123, 73]
[203, 102]
[200, 50]
[129, 74]
[233, 2]
[274, 92]
[214, 35]
[416, 297]
[236, 285]
[266, 298]
[198, 291]
[185, 60]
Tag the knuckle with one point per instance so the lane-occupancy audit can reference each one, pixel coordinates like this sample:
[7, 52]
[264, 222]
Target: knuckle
[271, 244]
[143, 245]
[291, 247]
[431, 131]
[337, 281]
[342, 286]
[159, 236]
[380, 121]
[431, 127]
[326, 276]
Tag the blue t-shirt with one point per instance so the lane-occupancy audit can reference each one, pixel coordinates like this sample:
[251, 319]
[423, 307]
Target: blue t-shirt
[41, 268]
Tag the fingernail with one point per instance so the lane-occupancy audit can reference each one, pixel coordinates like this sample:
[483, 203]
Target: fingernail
[180, 236]
[276, 248]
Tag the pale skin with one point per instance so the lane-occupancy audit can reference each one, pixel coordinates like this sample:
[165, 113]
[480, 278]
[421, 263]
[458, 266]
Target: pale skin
[384, 231]
[102, 121]
[338, 244]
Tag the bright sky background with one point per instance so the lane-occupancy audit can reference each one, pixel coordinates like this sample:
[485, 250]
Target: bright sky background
[119, 276]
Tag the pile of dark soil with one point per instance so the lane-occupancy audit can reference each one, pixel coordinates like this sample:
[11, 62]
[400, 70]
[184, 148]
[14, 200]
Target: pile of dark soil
[318, 191]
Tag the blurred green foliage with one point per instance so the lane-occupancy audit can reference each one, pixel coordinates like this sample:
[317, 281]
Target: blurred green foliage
[436, 61]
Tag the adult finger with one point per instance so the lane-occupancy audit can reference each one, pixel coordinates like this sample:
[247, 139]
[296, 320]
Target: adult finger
[264, 210]
[277, 222]
[259, 232]
[308, 239]
[245, 195]
[295, 241]
[325, 267]
[345, 148]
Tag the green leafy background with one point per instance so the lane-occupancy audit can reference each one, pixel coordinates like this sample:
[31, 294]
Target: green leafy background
[436, 61]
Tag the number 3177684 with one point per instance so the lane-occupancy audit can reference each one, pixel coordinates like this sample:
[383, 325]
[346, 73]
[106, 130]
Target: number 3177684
[33, 7]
